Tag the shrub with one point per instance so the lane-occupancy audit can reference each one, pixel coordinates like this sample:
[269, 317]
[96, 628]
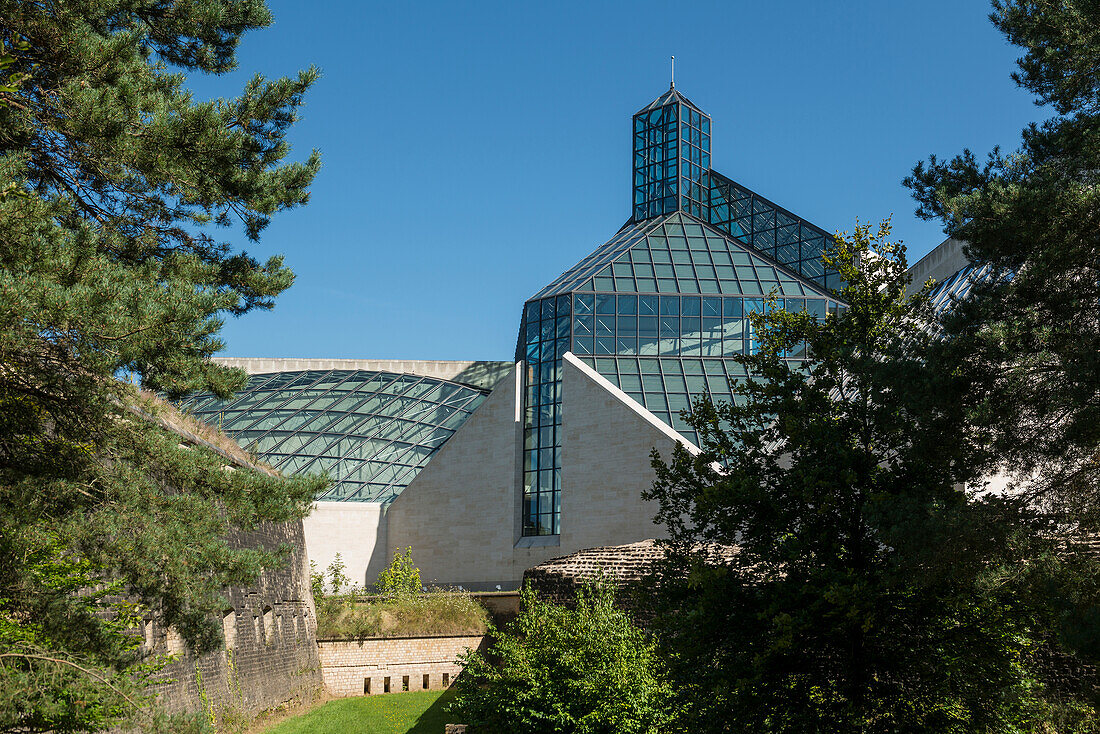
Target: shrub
[401, 578]
[332, 581]
[583, 671]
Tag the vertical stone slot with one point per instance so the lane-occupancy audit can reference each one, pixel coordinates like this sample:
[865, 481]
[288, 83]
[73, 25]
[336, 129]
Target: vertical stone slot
[366, 686]
[269, 626]
[229, 629]
[446, 679]
[386, 684]
[174, 641]
[404, 683]
[426, 679]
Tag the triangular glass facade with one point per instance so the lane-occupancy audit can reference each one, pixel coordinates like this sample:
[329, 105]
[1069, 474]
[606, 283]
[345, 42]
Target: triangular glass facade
[661, 308]
[679, 254]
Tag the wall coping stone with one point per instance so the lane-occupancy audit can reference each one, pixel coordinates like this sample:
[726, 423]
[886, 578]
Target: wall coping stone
[398, 637]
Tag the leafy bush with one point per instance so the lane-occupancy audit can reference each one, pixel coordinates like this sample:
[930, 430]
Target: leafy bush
[583, 671]
[401, 578]
[331, 581]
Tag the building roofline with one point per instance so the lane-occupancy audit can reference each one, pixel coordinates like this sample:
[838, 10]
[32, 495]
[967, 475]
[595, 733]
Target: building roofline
[481, 373]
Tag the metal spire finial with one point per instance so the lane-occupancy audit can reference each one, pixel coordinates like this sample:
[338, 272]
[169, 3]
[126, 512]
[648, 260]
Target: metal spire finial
[673, 84]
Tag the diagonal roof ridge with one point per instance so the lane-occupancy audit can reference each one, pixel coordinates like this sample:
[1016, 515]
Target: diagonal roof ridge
[756, 252]
[672, 95]
[627, 236]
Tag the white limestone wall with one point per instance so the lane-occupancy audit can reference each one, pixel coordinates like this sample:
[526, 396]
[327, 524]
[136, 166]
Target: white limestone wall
[946, 259]
[461, 514]
[458, 514]
[355, 530]
[606, 462]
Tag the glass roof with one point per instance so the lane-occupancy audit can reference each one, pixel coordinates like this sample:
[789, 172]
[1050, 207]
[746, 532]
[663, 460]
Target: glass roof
[670, 97]
[679, 254]
[660, 310]
[569, 281]
[959, 285]
[770, 229]
[371, 432]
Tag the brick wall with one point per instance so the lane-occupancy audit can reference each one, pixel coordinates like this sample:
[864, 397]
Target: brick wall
[362, 667]
[559, 579]
[270, 631]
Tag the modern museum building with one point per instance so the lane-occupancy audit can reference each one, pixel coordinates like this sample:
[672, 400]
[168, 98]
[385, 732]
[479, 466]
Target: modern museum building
[486, 469]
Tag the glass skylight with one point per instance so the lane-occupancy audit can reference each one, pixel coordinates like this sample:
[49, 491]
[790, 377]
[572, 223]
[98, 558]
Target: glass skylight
[371, 432]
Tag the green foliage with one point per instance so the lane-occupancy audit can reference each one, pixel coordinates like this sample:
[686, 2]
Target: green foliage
[9, 83]
[401, 611]
[1030, 337]
[114, 184]
[587, 670]
[337, 579]
[316, 581]
[401, 577]
[827, 569]
[1034, 214]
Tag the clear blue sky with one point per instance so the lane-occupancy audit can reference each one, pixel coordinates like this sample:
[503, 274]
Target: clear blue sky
[473, 151]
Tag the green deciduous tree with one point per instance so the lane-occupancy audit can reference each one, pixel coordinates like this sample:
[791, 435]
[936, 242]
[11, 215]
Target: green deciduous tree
[1035, 214]
[115, 183]
[587, 670]
[829, 570]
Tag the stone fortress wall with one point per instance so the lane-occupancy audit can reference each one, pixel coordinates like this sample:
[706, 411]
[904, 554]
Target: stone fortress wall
[559, 579]
[269, 628]
[270, 654]
[390, 665]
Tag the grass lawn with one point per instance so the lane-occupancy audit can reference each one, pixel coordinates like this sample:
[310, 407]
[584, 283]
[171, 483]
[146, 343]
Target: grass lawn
[416, 712]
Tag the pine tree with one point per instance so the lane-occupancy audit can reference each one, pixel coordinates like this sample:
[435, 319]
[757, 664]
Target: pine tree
[834, 564]
[1033, 217]
[119, 193]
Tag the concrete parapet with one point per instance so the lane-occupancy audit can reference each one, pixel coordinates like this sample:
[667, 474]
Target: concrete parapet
[945, 259]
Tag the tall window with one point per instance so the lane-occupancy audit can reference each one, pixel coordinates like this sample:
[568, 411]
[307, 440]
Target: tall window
[545, 340]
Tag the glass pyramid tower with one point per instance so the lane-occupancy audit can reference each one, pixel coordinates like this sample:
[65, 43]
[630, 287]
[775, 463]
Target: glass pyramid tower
[660, 308]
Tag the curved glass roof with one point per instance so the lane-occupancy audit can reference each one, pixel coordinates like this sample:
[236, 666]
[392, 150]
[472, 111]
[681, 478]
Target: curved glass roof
[371, 432]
